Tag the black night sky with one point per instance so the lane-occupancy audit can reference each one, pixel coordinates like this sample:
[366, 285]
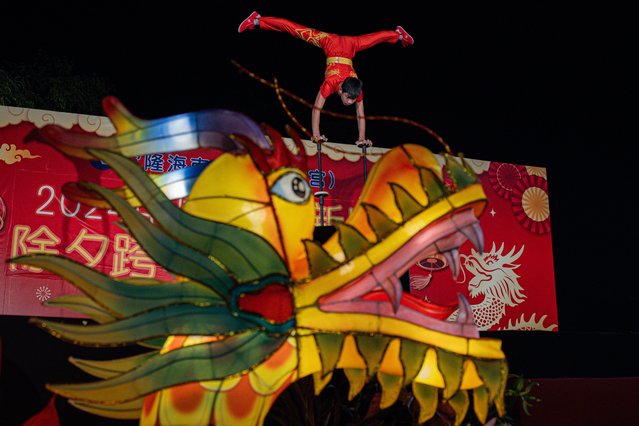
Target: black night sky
[516, 82]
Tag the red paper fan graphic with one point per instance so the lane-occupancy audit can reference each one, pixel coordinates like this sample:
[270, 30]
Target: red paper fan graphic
[434, 262]
[503, 177]
[530, 204]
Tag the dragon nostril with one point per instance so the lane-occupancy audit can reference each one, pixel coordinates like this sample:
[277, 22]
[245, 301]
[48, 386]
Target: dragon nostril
[278, 312]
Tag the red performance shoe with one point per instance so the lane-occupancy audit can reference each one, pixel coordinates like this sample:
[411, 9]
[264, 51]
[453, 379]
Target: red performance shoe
[406, 38]
[251, 22]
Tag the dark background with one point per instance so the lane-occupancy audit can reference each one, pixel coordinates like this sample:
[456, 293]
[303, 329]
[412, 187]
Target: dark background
[526, 84]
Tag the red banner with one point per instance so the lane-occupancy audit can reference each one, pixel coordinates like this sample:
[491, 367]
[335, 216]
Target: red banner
[510, 286]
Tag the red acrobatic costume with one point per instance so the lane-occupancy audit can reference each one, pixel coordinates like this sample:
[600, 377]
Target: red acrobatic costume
[339, 50]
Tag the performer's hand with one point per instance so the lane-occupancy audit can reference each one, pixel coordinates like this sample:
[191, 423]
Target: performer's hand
[320, 139]
[364, 142]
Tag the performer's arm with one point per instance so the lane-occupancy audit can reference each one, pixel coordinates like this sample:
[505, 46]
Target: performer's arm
[361, 125]
[315, 117]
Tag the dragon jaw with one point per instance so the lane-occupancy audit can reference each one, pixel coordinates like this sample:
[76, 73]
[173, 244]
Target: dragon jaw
[425, 218]
[442, 236]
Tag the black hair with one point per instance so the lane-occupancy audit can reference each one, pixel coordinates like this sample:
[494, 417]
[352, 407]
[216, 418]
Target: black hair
[352, 87]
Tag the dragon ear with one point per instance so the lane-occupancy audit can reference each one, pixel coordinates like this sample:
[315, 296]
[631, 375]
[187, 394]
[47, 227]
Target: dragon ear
[298, 160]
[282, 155]
[256, 153]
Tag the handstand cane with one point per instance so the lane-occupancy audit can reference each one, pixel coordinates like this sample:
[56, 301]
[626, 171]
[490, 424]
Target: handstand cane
[364, 160]
[321, 193]
[364, 144]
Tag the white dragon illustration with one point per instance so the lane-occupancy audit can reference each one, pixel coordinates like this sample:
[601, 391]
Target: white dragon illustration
[494, 277]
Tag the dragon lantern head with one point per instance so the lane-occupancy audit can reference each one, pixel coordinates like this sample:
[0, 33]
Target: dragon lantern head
[258, 303]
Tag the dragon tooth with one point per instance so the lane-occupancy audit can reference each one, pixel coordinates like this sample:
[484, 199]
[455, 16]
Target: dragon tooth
[480, 236]
[452, 256]
[475, 235]
[465, 311]
[392, 286]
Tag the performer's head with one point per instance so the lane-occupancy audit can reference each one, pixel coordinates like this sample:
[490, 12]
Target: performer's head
[349, 90]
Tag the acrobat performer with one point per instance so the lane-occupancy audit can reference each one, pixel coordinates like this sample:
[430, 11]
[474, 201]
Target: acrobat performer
[340, 76]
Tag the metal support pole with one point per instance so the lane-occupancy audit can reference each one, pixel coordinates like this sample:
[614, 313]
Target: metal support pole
[364, 160]
[363, 145]
[321, 193]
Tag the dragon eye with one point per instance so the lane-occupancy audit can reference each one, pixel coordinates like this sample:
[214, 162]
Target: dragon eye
[292, 187]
